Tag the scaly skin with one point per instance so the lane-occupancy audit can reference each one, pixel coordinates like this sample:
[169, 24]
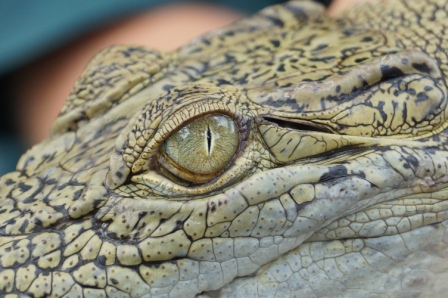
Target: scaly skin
[337, 185]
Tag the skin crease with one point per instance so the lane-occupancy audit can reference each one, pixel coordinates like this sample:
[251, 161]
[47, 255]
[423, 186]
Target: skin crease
[49, 80]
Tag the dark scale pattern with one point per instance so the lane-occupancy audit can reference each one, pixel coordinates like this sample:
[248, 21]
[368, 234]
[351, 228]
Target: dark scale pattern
[337, 185]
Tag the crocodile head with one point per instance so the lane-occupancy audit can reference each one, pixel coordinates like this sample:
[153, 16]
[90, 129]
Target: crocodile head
[287, 154]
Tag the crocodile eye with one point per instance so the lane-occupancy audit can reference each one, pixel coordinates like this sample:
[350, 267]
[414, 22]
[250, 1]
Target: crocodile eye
[200, 150]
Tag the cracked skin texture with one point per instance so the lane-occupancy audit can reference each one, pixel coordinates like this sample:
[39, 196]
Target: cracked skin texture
[323, 151]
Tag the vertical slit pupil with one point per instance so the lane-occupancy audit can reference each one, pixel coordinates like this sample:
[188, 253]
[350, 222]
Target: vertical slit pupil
[209, 139]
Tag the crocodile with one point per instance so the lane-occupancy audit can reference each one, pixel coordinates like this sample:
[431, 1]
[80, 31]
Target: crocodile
[290, 154]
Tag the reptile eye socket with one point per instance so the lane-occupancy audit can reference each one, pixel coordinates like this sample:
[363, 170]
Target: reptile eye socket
[203, 139]
[200, 150]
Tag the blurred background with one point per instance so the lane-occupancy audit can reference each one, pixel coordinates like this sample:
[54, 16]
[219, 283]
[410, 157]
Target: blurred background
[45, 45]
